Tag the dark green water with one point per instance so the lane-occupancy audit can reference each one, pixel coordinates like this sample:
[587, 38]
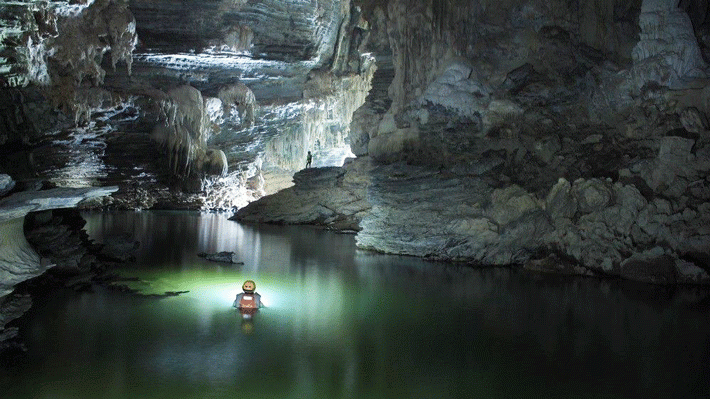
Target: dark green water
[342, 323]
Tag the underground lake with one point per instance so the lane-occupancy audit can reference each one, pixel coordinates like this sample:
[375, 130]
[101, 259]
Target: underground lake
[340, 322]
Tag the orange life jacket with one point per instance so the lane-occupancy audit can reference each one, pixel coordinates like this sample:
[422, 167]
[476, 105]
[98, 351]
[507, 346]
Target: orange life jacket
[248, 301]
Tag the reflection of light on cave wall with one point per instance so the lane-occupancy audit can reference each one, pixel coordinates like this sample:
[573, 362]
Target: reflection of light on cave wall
[246, 69]
[334, 156]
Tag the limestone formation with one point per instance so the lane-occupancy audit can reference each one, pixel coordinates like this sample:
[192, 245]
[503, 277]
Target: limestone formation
[18, 260]
[567, 136]
[668, 43]
[240, 96]
[6, 184]
[69, 62]
[183, 134]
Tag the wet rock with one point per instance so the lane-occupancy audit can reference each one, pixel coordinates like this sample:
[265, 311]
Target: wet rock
[692, 120]
[592, 195]
[11, 307]
[6, 184]
[18, 260]
[322, 196]
[690, 273]
[557, 265]
[560, 202]
[224, 257]
[21, 203]
[673, 168]
[652, 266]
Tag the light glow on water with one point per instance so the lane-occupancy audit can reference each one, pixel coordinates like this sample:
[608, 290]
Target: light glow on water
[342, 323]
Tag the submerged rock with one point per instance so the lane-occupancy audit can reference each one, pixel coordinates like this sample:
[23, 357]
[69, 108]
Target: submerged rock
[224, 257]
[121, 247]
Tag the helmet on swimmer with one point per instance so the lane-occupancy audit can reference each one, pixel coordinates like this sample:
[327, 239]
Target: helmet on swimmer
[249, 286]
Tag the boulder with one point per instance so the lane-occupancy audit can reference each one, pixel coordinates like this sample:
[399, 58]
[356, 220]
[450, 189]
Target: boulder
[690, 273]
[692, 120]
[510, 204]
[560, 202]
[592, 195]
[6, 184]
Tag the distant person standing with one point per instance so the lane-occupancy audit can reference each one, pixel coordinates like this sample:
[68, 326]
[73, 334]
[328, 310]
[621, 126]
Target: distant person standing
[309, 159]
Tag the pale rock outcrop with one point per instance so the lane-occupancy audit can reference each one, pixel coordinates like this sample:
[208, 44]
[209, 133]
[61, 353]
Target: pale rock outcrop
[668, 50]
[560, 203]
[510, 204]
[183, 134]
[241, 98]
[675, 167]
[322, 196]
[223, 257]
[6, 184]
[592, 195]
[235, 38]
[323, 119]
[18, 260]
[65, 60]
[458, 88]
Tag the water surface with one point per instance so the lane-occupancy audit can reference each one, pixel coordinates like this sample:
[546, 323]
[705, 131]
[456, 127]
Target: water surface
[344, 323]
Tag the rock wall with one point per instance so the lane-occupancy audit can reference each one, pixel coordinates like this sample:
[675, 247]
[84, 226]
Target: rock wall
[668, 51]
[494, 131]
[183, 134]
[567, 136]
[324, 119]
[301, 60]
[18, 260]
[277, 29]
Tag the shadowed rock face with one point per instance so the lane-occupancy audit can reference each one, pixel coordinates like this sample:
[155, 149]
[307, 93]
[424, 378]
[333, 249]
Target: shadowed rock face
[496, 132]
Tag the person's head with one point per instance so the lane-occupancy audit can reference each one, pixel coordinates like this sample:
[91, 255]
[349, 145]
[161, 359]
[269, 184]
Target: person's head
[249, 286]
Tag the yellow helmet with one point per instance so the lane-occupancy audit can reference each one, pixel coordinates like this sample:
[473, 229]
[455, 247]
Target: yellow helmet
[249, 285]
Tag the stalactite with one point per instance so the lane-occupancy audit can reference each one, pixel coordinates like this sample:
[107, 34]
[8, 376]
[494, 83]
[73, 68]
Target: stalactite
[183, 134]
[64, 50]
[242, 97]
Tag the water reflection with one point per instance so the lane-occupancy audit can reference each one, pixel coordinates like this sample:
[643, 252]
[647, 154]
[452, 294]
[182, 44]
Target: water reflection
[346, 323]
